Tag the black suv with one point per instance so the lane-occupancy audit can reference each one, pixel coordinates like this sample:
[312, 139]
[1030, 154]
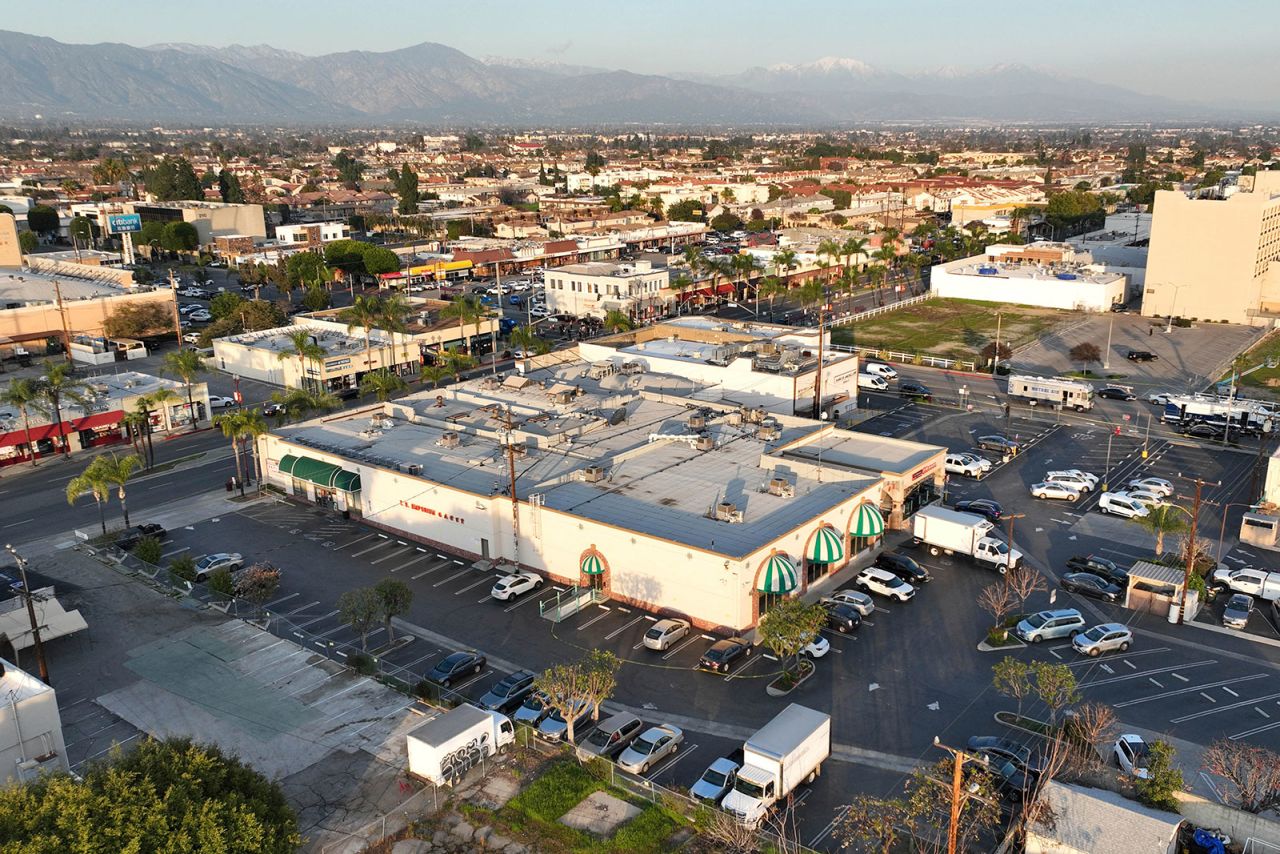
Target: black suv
[903, 567]
[1142, 356]
[984, 507]
[1100, 567]
[841, 617]
[129, 540]
[915, 390]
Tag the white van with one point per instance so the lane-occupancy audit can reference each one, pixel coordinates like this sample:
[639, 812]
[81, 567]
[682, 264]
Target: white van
[875, 382]
[880, 369]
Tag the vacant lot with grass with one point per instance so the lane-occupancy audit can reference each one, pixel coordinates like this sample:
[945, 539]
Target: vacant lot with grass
[1264, 377]
[953, 328]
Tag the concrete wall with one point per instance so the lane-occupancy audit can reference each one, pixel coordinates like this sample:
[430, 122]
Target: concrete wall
[83, 316]
[1237, 824]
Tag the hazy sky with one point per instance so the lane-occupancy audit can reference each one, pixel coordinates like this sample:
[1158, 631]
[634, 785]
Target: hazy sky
[1186, 49]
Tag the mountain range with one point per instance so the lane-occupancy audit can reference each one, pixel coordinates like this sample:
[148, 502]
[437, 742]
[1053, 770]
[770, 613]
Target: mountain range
[435, 84]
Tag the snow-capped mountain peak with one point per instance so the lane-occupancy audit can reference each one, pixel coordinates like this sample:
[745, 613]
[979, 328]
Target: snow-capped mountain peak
[826, 65]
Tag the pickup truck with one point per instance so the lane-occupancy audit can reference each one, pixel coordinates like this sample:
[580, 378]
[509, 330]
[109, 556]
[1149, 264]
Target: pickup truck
[1256, 582]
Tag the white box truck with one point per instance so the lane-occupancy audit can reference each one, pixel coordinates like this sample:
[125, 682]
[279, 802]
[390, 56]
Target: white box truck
[1052, 392]
[444, 748]
[949, 531]
[787, 751]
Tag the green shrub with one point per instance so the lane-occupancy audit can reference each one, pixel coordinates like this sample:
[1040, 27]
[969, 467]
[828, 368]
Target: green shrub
[362, 663]
[425, 690]
[149, 551]
[1163, 779]
[222, 582]
[183, 567]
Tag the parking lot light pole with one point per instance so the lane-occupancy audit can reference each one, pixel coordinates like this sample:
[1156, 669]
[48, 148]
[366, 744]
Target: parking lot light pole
[1222, 531]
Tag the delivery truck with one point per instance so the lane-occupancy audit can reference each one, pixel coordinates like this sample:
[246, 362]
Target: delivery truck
[1052, 391]
[947, 531]
[787, 751]
[444, 748]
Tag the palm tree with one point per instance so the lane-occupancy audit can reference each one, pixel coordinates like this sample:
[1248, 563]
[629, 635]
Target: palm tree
[186, 364]
[394, 319]
[231, 424]
[747, 266]
[434, 374]
[58, 384]
[692, 258]
[304, 346]
[252, 426]
[852, 248]
[783, 263]
[365, 313]
[616, 321]
[91, 481]
[457, 362]
[136, 424]
[811, 293]
[25, 395]
[116, 471]
[297, 403]
[830, 250]
[382, 383]
[875, 278]
[1164, 519]
[771, 288]
[525, 338]
[681, 284]
[467, 310]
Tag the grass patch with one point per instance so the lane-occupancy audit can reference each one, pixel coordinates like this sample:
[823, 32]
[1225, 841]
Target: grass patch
[555, 792]
[1267, 348]
[647, 832]
[953, 328]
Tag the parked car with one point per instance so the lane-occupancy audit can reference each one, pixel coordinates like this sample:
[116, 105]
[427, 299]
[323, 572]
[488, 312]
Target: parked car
[1235, 614]
[191, 337]
[217, 401]
[532, 710]
[1050, 489]
[841, 617]
[1048, 625]
[1154, 484]
[656, 744]
[456, 665]
[1099, 566]
[966, 465]
[1116, 393]
[1132, 755]
[555, 726]
[721, 655]
[716, 781]
[856, 599]
[1088, 584]
[1119, 504]
[200, 315]
[509, 586]
[880, 369]
[883, 583]
[903, 567]
[509, 693]
[1159, 397]
[130, 538]
[1104, 638]
[664, 633]
[611, 736]
[1083, 481]
[1141, 356]
[998, 443]
[187, 308]
[272, 409]
[1011, 781]
[1008, 750]
[209, 564]
[916, 391]
[818, 646]
[1146, 497]
[984, 507]
[1203, 431]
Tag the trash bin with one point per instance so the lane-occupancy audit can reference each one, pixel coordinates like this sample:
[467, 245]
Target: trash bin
[1175, 611]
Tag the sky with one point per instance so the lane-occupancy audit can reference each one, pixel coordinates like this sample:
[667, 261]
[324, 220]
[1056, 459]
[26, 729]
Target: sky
[1184, 49]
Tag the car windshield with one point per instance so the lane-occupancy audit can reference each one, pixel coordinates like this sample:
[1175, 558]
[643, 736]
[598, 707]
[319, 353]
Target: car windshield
[1002, 549]
[643, 746]
[749, 789]
[1096, 633]
[655, 633]
[533, 703]
[599, 738]
[714, 777]
[209, 561]
[1035, 621]
[893, 581]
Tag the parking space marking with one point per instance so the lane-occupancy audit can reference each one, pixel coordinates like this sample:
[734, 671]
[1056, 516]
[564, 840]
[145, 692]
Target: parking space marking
[1239, 705]
[475, 583]
[1154, 682]
[604, 612]
[1193, 688]
[1259, 711]
[333, 613]
[408, 563]
[303, 608]
[177, 551]
[449, 578]
[1150, 673]
[524, 601]
[353, 542]
[1253, 731]
[436, 568]
[1207, 697]
[623, 628]
[1180, 677]
[829, 826]
[387, 557]
[1229, 691]
[457, 689]
[679, 647]
[271, 605]
[743, 669]
[376, 545]
[681, 753]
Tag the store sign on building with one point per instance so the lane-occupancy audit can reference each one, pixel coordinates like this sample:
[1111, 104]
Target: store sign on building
[448, 517]
[922, 471]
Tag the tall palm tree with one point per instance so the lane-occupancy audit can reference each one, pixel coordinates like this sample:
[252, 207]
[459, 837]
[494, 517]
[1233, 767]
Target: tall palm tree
[382, 383]
[434, 374]
[852, 248]
[231, 423]
[692, 258]
[186, 364]
[830, 250]
[681, 285]
[616, 321]
[117, 471]
[746, 266]
[887, 256]
[394, 319]
[457, 362]
[1164, 519]
[91, 481]
[525, 338]
[771, 288]
[875, 278]
[297, 403]
[783, 263]
[136, 424]
[23, 394]
[467, 310]
[811, 293]
[57, 385]
[252, 426]
[302, 345]
[365, 313]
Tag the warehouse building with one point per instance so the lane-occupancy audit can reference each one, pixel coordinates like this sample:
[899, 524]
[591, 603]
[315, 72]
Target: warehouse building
[1049, 275]
[626, 486]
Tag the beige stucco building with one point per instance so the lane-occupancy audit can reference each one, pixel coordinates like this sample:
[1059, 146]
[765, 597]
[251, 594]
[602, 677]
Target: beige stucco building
[1215, 259]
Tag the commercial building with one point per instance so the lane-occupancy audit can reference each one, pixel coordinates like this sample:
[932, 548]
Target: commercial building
[31, 741]
[627, 486]
[1120, 246]
[211, 219]
[1215, 258]
[1050, 275]
[748, 364]
[598, 288]
[311, 234]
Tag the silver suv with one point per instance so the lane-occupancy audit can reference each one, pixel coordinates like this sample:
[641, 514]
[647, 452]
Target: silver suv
[1103, 638]
[1047, 625]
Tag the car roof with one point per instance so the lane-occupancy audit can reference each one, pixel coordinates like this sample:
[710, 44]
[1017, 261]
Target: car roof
[669, 622]
[724, 763]
[1060, 612]
[1112, 627]
[877, 572]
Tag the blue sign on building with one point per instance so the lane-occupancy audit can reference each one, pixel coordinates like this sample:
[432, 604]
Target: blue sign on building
[122, 223]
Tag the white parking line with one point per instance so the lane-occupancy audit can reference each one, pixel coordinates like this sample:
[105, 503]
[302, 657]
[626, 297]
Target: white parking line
[1177, 691]
[1179, 676]
[1253, 731]
[1229, 691]
[408, 563]
[461, 685]
[1149, 673]
[830, 826]
[449, 578]
[524, 601]
[303, 608]
[671, 761]
[353, 542]
[1155, 683]
[622, 629]
[1207, 697]
[1239, 705]
[177, 551]
[315, 620]
[271, 605]
[604, 612]
[379, 544]
[679, 647]
[436, 568]
[387, 557]
[481, 580]
[742, 669]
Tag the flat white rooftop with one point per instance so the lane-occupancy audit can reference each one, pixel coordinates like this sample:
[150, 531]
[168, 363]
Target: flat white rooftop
[1031, 272]
[29, 288]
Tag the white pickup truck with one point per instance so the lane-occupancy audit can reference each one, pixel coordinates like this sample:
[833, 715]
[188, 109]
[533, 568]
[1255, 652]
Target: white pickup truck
[1256, 582]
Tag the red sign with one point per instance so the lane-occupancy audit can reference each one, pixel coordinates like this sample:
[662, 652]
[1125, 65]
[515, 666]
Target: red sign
[921, 472]
[430, 512]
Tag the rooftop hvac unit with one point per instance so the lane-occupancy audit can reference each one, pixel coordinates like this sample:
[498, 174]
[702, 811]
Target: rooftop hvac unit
[491, 382]
[704, 443]
[410, 468]
[782, 487]
[754, 415]
[593, 474]
[735, 419]
[450, 439]
[728, 512]
[563, 397]
[697, 421]
[768, 432]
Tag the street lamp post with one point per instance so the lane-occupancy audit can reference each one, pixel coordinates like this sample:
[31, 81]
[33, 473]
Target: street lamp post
[1222, 530]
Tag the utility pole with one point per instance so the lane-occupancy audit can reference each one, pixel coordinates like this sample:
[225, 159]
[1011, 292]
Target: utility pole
[1011, 517]
[995, 355]
[27, 596]
[62, 315]
[957, 790]
[177, 316]
[817, 379]
[1191, 540]
[515, 501]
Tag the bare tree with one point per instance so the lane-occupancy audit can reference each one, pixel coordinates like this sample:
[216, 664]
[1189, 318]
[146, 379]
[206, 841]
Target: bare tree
[1024, 581]
[1092, 726]
[929, 807]
[1252, 771]
[872, 824]
[730, 835]
[998, 600]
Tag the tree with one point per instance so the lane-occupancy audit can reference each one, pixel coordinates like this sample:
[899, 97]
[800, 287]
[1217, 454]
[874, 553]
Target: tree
[172, 795]
[147, 404]
[173, 179]
[180, 237]
[616, 321]
[788, 627]
[994, 350]
[81, 230]
[689, 210]
[434, 374]
[257, 584]
[467, 310]
[1085, 353]
[186, 365]
[525, 338]
[1055, 686]
[350, 170]
[24, 395]
[315, 298]
[225, 303]
[1163, 519]
[998, 600]
[57, 384]
[1162, 780]
[252, 316]
[407, 190]
[43, 219]
[306, 268]
[1092, 728]
[232, 426]
[784, 262]
[110, 171]
[600, 678]
[151, 552]
[91, 481]
[565, 687]
[297, 403]
[1012, 677]
[871, 823]
[360, 609]
[364, 314]
[139, 320]
[928, 811]
[726, 222]
[229, 188]
[1022, 581]
[394, 600]
[116, 472]
[382, 384]
[595, 162]
[379, 260]
[1252, 771]
[771, 288]
[1074, 211]
[28, 242]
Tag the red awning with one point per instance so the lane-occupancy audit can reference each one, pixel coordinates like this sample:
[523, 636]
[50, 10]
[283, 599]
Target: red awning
[49, 431]
[725, 288]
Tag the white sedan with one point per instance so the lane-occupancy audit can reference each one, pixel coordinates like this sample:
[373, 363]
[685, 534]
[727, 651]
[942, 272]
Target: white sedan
[217, 401]
[1148, 497]
[191, 337]
[817, 647]
[1153, 484]
[200, 315]
[1132, 754]
[209, 564]
[515, 584]
[540, 311]
[1061, 491]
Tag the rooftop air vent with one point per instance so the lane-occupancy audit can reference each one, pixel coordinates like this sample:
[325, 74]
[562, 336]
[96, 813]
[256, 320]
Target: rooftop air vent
[768, 432]
[727, 511]
[450, 439]
[593, 474]
[410, 468]
[439, 400]
[697, 421]
[705, 443]
[782, 487]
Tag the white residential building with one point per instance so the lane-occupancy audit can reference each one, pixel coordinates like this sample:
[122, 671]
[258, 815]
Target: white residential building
[597, 288]
[311, 233]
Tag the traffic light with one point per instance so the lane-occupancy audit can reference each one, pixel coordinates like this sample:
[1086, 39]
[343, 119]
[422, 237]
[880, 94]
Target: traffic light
[1117, 429]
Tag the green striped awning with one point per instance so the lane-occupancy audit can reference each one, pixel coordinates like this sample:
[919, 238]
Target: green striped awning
[591, 564]
[779, 575]
[320, 473]
[867, 521]
[826, 547]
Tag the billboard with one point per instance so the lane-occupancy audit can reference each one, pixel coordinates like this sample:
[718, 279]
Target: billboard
[122, 223]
